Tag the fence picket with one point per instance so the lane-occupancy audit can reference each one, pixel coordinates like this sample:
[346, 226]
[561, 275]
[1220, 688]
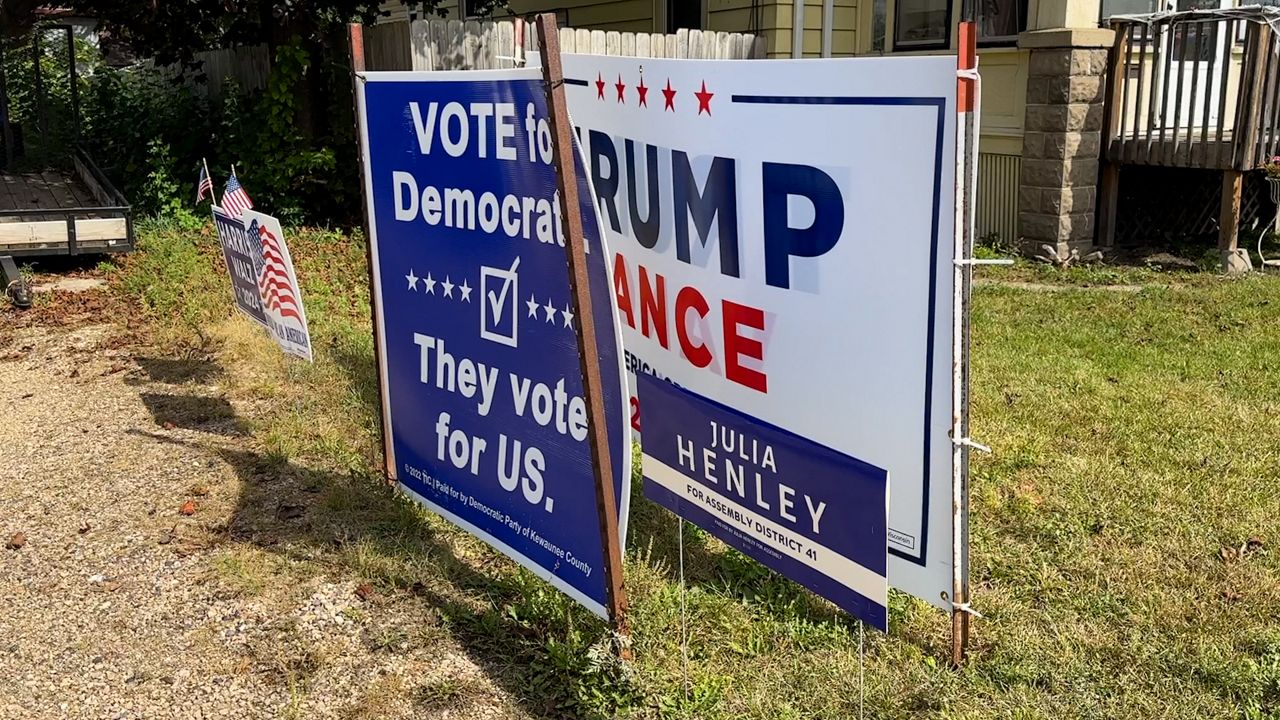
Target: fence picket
[682, 45]
[658, 45]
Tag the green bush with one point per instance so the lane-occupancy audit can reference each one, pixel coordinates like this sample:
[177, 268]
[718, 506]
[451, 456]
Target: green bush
[150, 132]
[49, 127]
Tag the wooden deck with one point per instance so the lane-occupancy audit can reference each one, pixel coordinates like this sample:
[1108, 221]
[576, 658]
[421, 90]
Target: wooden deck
[1194, 89]
[51, 212]
[1186, 148]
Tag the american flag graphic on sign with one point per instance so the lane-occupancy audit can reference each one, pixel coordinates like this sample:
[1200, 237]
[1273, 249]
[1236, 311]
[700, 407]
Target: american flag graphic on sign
[274, 284]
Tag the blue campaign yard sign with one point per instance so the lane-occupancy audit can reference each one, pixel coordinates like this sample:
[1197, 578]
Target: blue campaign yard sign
[812, 514]
[242, 255]
[481, 379]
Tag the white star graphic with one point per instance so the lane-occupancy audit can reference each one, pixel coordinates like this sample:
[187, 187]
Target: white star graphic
[568, 315]
[413, 280]
[431, 284]
[448, 287]
[533, 306]
[551, 311]
[466, 290]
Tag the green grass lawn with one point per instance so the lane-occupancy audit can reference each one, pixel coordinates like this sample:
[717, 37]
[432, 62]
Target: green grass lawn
[1126, 530]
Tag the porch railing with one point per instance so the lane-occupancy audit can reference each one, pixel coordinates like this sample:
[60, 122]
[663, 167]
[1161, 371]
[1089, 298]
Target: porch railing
[1195, 89]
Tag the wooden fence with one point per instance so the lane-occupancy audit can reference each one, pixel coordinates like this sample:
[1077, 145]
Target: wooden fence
[473, 45]
[248, 66]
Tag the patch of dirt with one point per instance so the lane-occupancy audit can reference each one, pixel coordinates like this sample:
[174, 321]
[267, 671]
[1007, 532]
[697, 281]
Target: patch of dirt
[135, 590]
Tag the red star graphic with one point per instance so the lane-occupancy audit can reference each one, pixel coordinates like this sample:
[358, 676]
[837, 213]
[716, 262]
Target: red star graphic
[622, 98]
[670, 95]
[704, 99]
[599, 86]
[643, 92]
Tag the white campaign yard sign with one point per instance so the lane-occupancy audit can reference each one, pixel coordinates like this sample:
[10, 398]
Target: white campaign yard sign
[278, 285]
[784, 243]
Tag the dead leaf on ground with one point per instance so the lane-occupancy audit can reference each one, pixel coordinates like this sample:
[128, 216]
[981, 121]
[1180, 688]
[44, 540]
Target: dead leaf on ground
[17, 541]
[1233, 553]
[188, 508]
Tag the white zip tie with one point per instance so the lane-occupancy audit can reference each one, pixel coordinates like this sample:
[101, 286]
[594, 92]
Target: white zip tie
[969, 443]
[983, 261]
[967, 609]
[971, 73]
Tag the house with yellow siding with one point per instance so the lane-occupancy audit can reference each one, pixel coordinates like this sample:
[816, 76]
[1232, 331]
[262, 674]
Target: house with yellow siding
[1042, 63]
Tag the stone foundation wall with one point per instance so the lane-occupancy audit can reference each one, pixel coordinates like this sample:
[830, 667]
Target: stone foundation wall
[1066, 88]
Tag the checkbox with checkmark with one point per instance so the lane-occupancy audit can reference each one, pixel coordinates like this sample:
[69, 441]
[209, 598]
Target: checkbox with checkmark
[499, 288]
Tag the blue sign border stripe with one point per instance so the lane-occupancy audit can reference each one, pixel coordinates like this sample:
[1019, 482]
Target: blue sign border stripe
[940, 104]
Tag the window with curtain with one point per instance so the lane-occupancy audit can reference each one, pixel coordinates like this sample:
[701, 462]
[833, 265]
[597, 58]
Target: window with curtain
[1000, 21]
[921, 24]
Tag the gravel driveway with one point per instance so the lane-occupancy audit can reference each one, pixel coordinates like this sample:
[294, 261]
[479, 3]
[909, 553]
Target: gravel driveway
[115, 599]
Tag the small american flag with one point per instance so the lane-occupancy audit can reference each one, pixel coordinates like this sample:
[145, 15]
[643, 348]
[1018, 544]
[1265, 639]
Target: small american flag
[273, 278]
[234, 199]
[205, 184]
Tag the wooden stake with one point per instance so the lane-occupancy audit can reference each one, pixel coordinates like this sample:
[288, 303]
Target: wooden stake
[1229, 214]
[355, 37]
[593, 385]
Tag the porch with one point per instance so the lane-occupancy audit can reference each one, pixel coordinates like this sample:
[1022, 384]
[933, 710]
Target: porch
[1194, 89]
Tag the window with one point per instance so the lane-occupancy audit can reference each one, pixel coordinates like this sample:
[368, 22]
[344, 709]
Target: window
[878, 24]
[684, 14]
[1000, 21]
[1128, 7]
[922, 24]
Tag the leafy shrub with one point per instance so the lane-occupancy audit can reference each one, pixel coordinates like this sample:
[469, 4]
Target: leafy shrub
[49, 126]
[147, 132]
[150, 132]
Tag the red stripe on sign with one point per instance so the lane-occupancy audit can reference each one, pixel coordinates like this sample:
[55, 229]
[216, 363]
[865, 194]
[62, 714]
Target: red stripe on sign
[273, 271]
[281, 284]
[289, 313]
[966, 60]
[280, 296]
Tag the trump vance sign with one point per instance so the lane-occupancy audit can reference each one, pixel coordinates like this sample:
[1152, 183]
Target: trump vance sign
[783, 238]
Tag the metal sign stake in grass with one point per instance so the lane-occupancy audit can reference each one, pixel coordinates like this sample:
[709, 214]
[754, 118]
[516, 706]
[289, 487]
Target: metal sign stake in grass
[966, 178]
[593, 386]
